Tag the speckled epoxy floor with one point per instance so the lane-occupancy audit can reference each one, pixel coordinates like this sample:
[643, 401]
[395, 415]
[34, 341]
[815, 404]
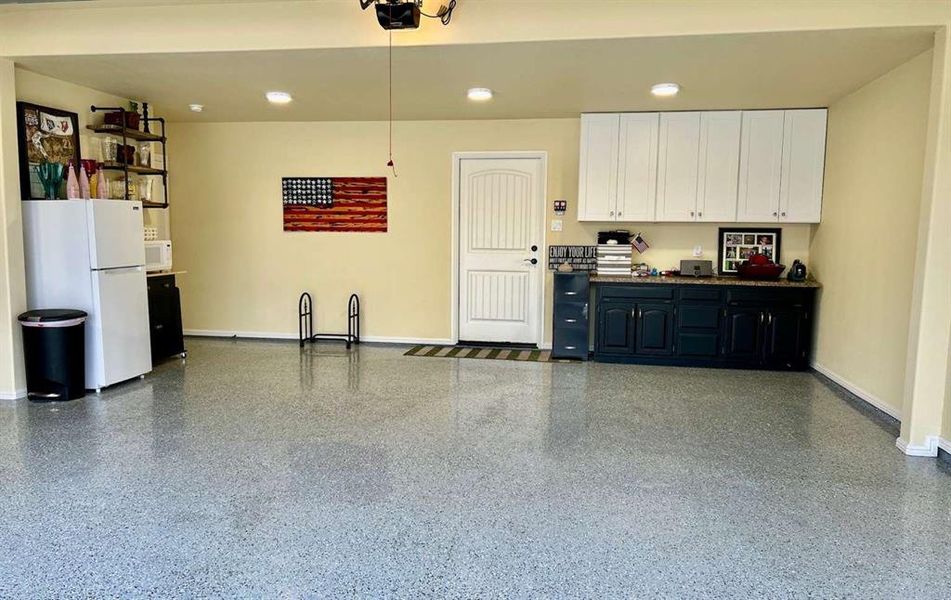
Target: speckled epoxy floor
[255, 471]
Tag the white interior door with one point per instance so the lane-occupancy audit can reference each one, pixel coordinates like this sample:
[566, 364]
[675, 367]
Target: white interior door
[501, 204]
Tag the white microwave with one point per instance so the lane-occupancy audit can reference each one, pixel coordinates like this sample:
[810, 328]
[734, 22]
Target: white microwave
[158, 255]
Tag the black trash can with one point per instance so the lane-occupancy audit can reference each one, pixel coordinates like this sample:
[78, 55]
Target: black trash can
[54, 348]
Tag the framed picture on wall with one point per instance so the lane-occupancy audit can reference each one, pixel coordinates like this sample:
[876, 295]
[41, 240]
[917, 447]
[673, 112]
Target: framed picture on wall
[48, 141]
[737, 244]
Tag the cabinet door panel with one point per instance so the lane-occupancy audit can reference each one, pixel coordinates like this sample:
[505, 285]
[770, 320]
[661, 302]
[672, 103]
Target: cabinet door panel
[743, 334]
[761, 161]
[719, 166]
[804, 152]
[597, 176]
[678, 166]
[655, 329]
[616, 328]
[786, 337]
[637, 170]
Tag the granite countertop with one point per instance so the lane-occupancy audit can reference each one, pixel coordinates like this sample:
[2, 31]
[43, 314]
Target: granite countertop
[677, 279]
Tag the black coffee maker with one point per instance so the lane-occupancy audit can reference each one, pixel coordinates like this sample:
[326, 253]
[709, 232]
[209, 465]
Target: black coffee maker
[797, 272]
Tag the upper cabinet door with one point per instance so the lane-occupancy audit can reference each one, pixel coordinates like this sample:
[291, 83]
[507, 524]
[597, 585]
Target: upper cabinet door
[677, 166]
[597, 177]
[804, 154]
[719, 166]
[637, 170]
[761, 160]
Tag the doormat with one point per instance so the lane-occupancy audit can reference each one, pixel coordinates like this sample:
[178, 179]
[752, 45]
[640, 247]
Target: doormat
[486, 353]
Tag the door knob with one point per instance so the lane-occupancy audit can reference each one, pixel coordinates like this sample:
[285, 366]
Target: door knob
[534, 261]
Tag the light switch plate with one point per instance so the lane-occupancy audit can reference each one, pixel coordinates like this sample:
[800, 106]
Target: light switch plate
[698, 251]
[557, 225]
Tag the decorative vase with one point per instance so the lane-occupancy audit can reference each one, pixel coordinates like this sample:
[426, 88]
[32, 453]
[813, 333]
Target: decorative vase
[84, 190]
[72, 183]
[51, 175]
[102, 186]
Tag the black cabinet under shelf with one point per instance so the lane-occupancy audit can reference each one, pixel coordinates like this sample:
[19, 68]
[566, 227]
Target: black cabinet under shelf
[165, 318]
[714, 325]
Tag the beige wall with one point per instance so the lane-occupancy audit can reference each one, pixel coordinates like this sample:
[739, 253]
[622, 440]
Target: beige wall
[245, 273]
[864, 249]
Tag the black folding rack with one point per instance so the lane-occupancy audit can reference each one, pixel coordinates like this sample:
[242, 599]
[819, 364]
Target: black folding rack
[305, 322]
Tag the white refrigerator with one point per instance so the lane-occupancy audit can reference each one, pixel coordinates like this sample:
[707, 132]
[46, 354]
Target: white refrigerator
[90, 255]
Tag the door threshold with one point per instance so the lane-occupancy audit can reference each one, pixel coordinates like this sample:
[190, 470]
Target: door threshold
[511, 345]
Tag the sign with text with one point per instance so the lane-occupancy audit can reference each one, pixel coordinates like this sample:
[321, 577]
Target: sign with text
[581, 258]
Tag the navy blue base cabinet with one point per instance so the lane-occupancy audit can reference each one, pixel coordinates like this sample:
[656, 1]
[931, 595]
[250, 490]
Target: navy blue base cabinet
[746, 327]
[570, 316]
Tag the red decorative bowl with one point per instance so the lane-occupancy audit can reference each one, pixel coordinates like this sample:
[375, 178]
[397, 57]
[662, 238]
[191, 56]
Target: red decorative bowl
[749, 271]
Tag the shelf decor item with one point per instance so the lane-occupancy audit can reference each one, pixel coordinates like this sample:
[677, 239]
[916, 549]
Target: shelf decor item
[738, 244]
[72, 184]
[46, 136]
[356, 204]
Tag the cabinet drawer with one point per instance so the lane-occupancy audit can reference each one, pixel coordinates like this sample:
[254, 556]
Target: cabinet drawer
[571, 282]
[765, 295]
[570, 342]
[698, 316]
[699, 293]
[651, 291]
[572, 312]
[697, 344]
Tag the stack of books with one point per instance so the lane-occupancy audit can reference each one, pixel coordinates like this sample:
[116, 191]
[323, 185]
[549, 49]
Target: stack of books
[614, 259]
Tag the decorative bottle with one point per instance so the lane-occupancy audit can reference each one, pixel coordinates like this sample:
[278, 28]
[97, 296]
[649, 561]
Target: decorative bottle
[84, 190]
[72, 184]
[102, 186]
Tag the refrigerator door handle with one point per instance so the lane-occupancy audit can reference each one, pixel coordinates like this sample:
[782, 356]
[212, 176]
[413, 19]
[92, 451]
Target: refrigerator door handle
[119, 270]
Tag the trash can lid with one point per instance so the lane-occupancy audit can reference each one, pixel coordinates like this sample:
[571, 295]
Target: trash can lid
[52, 315]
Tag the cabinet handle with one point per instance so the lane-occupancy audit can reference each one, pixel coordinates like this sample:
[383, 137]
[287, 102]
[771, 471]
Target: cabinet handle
[784, 213]
[769, 319]
[691, 213]
[584, 311]
[611, 214]
[639, 313]
[762, 317]
[571, 320]
[774, 214]
[571, 293]
[699, 214]
[619, 213]
[570, 347]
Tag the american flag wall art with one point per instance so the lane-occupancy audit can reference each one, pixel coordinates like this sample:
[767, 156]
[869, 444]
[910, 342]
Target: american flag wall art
[355, 204]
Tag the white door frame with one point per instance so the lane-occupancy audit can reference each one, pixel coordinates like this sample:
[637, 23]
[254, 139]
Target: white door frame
[457, 158]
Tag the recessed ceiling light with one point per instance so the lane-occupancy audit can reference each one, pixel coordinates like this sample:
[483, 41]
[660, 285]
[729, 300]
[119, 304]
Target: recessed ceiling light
[196, 107]
[665, 89]
[479, 94]
[278, 97]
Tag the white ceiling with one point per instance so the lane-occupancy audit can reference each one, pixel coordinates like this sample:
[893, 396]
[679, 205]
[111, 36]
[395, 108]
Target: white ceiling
[531, 80]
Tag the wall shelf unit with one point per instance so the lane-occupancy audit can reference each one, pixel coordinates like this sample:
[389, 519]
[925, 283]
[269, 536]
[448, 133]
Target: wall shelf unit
[126, 134]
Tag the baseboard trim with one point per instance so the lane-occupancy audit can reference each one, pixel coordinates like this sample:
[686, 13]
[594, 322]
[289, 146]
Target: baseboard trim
[271, 335]
[857, 391]
[929, 449]
[14, 395]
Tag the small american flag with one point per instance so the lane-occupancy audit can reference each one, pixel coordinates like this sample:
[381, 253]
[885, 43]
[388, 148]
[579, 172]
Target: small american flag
[335, 204]
[640, 244]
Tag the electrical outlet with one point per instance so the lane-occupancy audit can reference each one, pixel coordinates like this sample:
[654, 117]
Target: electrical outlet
[557, 225]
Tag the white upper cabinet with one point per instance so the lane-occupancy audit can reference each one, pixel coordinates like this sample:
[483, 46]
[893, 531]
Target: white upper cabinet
[756, 166]
[761, 163]
[782, 164]
[677, 172]
[637, 170]
[597, 177]
[719, 166]
[804, 154]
